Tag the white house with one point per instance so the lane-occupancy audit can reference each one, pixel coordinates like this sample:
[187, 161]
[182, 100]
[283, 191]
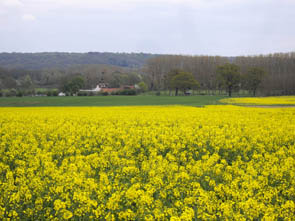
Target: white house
[97, 89]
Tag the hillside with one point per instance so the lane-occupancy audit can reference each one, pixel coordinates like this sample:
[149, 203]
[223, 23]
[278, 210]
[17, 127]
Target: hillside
[35, 61]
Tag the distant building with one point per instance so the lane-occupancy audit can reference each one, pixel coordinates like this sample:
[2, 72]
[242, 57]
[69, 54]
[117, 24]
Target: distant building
[103, 87]
[124, 87]
[97, 89]
[110, 90]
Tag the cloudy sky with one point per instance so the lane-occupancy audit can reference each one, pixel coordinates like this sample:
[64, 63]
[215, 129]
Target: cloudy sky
[194, 27]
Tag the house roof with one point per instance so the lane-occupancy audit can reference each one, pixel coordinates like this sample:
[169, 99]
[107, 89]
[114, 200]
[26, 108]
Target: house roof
[110, 89]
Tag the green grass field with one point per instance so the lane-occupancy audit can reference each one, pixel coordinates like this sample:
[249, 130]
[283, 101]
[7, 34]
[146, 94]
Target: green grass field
[109, 101]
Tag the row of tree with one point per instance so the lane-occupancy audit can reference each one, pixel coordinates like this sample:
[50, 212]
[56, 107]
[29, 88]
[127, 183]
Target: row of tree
[57, 78]
[228, 75]
[277, 70]
[272, 74]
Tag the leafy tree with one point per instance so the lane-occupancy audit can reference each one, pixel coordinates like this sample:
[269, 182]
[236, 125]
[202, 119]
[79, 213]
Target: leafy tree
[253, 79]
[6, 81]
[229, 76]
[73, 86]
[133, 78]
[143, 87]
[167, 79]
[116, 80]
[183, 81]
[26, 83]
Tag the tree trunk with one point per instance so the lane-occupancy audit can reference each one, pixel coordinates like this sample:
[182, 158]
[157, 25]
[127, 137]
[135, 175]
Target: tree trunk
[229, 91]
[176, 91]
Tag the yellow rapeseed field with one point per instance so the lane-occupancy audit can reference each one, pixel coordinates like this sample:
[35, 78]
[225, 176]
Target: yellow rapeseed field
[280, 100]
[147, 163]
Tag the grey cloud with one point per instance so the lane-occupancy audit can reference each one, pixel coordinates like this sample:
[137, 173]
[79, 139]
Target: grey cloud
[224, 27]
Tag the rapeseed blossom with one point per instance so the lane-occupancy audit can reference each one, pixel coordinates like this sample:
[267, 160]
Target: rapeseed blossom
[147, 163]
[278, 100]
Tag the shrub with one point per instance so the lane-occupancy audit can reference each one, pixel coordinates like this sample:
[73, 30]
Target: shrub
[82, 93]
[38, 92]
[11, 93]
[19, 93]
[55, 93]
[127, 92]
[49, 93]
[142, 87]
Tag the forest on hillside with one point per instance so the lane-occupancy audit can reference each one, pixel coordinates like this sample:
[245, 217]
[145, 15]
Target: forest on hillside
[37, 61]
[54, 70]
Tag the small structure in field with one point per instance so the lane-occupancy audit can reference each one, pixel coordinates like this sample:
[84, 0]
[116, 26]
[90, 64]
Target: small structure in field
[61, 94]
[188, 92]
[103, 87]
[97, 89]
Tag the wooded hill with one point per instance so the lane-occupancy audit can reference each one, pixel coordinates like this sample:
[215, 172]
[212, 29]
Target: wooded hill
[37, 61]
[50, 70]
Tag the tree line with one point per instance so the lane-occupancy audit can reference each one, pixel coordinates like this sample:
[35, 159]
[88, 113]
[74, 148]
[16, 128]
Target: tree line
[48, 60]
[27, 82]
[228, 77]
[272, 74]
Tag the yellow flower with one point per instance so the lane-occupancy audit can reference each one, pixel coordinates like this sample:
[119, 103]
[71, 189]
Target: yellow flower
[147, 163]
[67, 214]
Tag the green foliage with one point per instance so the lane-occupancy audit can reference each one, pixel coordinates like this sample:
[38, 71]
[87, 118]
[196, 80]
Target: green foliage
[168, 78]
[117, 79]
[82, 93]
[183, 81]
[19, 93]
[229, 77]
[142, 87]
[254, 78]
[6, 80]
[50, 93]
[126, 92]
[11, 93]
[26, 83]
[73, 86]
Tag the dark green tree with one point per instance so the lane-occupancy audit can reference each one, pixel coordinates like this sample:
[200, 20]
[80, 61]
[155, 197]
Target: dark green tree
[167, 79]
[183, 81]
[253, 79]
[26, 83]
[73, 86]
[6, 80]
[229, 76]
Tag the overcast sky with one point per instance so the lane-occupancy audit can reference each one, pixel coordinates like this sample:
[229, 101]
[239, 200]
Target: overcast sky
[194, 27]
